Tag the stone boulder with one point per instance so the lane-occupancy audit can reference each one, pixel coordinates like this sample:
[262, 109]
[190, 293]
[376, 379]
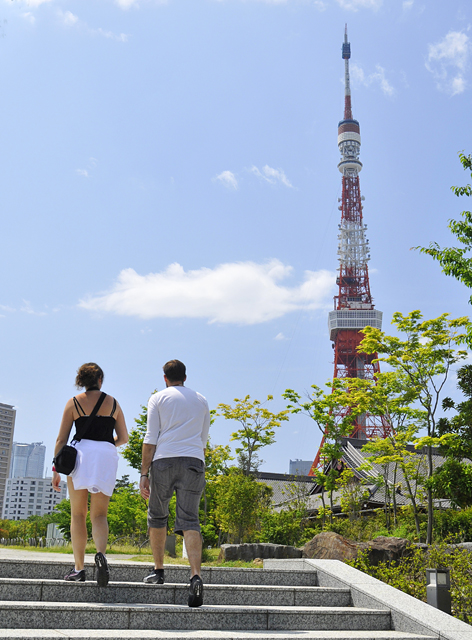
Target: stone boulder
[332, 546]
[248, 551]
[328, 545]
[384, 549]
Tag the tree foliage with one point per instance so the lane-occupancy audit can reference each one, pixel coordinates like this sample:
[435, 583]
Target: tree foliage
[424, 355]
[241, 502]
[257, 429]
[457, 261]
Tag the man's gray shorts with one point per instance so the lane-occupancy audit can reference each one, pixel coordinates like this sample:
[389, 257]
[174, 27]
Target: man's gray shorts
[185, 476]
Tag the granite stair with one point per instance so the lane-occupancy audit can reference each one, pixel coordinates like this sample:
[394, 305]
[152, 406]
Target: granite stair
[239, 604]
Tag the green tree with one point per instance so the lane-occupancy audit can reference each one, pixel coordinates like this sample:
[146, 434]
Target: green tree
[353, 493]
[257, 430]
[424, 356]
[453, 480]
[132, 451]
[241, 502]
[457, 261]
[127, 511]
[216, 458]
[328, 412]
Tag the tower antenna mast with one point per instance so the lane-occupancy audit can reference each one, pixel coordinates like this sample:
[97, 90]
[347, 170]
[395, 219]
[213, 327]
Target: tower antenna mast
[353, 305]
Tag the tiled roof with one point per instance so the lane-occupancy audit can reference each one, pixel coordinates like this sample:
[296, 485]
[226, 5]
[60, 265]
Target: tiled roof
[285, 486]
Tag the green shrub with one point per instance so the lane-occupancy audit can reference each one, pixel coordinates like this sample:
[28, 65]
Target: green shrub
[452, 525]
[283, 527]
[409, 574]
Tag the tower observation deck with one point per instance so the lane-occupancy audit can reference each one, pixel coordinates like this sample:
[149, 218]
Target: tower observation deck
[353, 305]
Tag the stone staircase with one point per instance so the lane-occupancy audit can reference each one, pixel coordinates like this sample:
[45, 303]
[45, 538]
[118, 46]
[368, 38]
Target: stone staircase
[275, 604]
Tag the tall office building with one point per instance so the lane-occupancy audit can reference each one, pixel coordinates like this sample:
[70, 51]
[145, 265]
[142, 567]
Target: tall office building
[27, 460]
[7, 427]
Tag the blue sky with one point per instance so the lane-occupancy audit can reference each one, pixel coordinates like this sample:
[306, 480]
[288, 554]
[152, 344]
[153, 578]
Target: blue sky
[169, 186]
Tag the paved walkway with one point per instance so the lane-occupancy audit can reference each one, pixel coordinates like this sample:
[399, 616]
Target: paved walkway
[20, 554]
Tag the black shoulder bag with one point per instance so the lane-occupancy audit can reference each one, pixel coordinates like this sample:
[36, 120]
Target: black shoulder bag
[65, 460]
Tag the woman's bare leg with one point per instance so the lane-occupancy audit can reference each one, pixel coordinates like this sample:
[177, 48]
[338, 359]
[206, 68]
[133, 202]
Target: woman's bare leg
[98, 516]
[78, 527]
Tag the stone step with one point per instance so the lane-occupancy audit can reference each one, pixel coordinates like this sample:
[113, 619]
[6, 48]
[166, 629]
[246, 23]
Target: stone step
[134, 593]
[117, 634]
[60, 615]
[135, 572]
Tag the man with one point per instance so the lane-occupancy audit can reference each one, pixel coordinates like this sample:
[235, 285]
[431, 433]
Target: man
[178, 421]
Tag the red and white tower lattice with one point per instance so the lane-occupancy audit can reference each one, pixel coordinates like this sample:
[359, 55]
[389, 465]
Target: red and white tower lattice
[353, 305]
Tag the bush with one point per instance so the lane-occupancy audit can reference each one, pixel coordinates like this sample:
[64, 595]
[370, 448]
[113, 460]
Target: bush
[409, 574]
[284, 527]
[209, 535]
[455, 526]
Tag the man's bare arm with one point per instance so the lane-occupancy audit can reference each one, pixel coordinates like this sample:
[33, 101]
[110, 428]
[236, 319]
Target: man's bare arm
[147, 456]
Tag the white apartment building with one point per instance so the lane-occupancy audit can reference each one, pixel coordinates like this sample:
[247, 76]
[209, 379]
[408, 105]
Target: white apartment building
[7, 427]
[26, 497]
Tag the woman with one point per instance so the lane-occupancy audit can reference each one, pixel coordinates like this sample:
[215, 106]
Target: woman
[95, 470]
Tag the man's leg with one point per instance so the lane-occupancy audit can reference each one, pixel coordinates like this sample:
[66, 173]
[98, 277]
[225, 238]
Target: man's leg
[193, 544]
[157, 538]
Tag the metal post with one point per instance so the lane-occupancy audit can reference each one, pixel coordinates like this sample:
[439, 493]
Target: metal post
[438, 589]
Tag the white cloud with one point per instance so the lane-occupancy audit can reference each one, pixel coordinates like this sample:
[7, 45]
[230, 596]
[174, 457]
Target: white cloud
[28, 309]
[320, 5]
[82, 172]
[122, 37]
[448, 61]
[234, 293]
[127, 4]
[280, 336]
[377, 77]
[29, 17]
[34, 3]
[407, 4]
[268, 174]
[68, 18]
[228, 179]
[355, 5]
[6, 308]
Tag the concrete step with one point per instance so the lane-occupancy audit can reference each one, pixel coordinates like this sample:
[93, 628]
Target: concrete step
[135, 572]
[117, 634]
[133, 593]
[78, 615]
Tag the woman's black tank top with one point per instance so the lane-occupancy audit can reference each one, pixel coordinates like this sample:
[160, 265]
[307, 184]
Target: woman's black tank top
[100, 429]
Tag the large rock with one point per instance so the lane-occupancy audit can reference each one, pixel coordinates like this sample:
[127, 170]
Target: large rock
[331, 546]
[248, 551]
[384, 549]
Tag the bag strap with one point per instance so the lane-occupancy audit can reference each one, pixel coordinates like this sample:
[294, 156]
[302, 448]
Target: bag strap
[79, 434]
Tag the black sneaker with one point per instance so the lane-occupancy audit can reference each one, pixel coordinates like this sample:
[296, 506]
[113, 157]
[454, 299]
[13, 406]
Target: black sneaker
[75, 576]
[156, 577]
[195, 592]
[103, 575]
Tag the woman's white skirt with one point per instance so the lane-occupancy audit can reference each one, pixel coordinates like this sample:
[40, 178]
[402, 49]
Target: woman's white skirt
[96, 467]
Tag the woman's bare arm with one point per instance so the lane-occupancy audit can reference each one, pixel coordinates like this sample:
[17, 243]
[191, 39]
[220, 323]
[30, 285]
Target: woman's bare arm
[120, 428]
[62, 438]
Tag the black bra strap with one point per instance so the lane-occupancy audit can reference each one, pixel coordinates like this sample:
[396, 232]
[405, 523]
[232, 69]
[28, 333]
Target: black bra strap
[114, 408]
[78, 408]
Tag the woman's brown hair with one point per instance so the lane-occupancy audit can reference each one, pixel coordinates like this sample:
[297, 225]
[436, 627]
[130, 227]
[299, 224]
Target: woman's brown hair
[88, 375]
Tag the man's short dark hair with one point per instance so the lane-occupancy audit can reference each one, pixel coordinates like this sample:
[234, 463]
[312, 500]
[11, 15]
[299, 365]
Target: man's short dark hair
[174, 371]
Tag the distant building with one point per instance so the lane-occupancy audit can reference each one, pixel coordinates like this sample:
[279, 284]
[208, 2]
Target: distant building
[27, 460]
[26, 497]
[7, 427]
[300, 467]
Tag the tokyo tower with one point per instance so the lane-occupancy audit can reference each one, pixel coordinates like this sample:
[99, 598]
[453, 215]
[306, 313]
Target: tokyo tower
[353, 304]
